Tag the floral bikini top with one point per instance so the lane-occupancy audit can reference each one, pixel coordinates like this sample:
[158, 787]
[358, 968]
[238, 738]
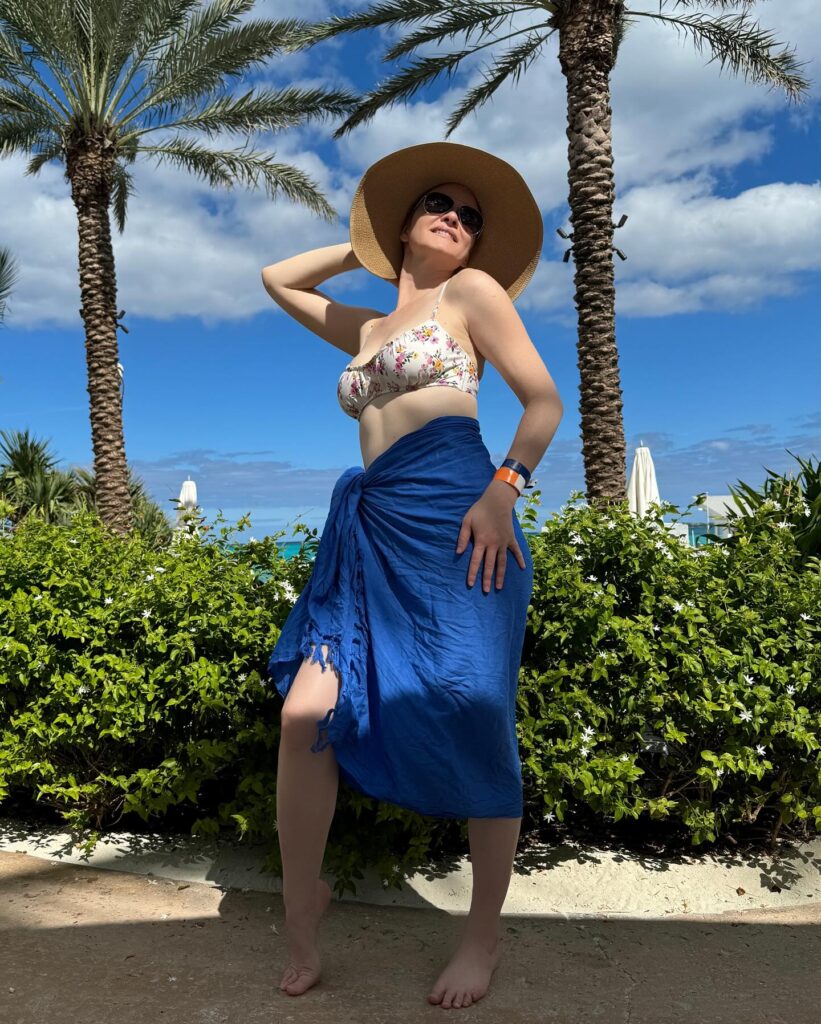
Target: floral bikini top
[420, 357]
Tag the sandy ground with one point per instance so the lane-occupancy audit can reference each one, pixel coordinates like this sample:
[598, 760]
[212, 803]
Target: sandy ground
[103, 946]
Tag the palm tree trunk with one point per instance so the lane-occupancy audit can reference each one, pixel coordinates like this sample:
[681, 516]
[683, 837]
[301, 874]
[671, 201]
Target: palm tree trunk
[586, 58]
[88, 168]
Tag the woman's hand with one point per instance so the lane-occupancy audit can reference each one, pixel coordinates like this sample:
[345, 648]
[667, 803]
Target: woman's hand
[492, 525]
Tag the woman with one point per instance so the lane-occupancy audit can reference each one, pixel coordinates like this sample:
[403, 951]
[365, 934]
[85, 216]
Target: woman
[419, 709]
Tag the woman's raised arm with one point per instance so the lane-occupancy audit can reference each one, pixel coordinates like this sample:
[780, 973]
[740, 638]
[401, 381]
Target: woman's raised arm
[291, 283]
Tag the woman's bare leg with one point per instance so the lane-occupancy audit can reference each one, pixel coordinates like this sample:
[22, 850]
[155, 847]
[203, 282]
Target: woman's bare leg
[467, 976]
[307, 785]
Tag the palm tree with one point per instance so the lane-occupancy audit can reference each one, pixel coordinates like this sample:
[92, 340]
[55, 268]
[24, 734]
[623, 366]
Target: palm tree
[32, 484]
[29, 478]
[87, 83]
[590, 33]
[8, 276]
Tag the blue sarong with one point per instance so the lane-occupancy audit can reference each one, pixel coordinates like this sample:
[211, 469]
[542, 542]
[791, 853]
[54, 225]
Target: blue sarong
[429, 667]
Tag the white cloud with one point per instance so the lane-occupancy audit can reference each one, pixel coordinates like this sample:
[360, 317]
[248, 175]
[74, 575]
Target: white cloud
[678, 127]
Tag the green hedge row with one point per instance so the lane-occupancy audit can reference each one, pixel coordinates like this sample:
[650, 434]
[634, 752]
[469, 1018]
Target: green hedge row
[657, 680]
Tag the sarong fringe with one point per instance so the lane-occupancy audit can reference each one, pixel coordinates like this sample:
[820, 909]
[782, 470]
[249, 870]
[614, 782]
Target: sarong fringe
[345, 656]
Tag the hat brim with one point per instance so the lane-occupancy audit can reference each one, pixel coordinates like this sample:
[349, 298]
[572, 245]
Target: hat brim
[510, 244]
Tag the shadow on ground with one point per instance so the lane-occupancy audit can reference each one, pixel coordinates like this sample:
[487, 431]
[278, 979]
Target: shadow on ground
[80, 944]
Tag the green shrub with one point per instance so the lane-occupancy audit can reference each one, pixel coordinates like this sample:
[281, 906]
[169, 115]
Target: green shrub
[658, 682]
[134, 681]
[671, 680]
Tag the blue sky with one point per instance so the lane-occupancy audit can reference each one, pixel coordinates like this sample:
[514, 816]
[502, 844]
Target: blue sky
[717, 304]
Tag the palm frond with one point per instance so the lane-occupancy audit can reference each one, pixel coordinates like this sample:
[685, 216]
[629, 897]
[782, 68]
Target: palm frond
[467, 19]
[197, 70]
[24, 132]
[22, 454]
[510, 65]
[17, 68]
[53, 151]
[122, 188]
[13, 101]
[725, 5]
[43, 27]
[389, 12]
[144, 31]
[8, 278]
[402, 85]
[746, 48]
[271, 110]
[225, 167]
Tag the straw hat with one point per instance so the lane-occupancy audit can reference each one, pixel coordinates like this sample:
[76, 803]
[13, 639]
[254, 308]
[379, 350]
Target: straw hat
[508, 247]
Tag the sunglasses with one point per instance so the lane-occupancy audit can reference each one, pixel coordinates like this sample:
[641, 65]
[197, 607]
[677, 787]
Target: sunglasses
[438, 202]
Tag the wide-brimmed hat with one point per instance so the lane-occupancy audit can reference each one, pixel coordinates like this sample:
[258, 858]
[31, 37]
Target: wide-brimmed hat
[510, 243]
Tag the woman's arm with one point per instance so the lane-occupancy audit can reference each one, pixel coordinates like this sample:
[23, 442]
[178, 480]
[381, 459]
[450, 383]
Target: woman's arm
[291, 284]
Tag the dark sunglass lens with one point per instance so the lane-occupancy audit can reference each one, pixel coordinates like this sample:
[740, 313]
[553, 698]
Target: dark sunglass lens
[438, 202]
[471, 218]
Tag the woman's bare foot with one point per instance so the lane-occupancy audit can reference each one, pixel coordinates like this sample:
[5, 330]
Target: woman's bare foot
[467, 977]
[302, 970]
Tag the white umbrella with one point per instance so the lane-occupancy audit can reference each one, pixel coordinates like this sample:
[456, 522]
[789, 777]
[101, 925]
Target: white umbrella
[187, 503]
[642, 488]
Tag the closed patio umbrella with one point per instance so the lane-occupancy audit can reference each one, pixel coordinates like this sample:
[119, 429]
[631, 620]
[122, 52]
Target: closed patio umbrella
[186, 503]
[642, 488]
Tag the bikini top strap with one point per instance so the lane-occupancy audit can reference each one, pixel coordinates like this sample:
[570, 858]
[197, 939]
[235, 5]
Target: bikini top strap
[439, 299]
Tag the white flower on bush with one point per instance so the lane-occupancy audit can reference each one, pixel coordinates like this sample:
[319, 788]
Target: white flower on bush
[805, 617]
[158, 568]
[82, 689]
[577, 713]
[791, 689]
[657, 627]
[677, 606]
[242, 676]
[783, 523]
[749, 680]
[108, 600]
[719, 772]
[146, 613]
[761, 751]
[575, 539]
[289, 591]
[149, 577]
[592, 579]
[584, 750]
[745, 715]
[550, 816]
[37, 597]
[624, 757]
[588, 731]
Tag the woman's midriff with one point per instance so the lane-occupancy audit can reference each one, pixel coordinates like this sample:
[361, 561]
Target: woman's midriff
[388, 417]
